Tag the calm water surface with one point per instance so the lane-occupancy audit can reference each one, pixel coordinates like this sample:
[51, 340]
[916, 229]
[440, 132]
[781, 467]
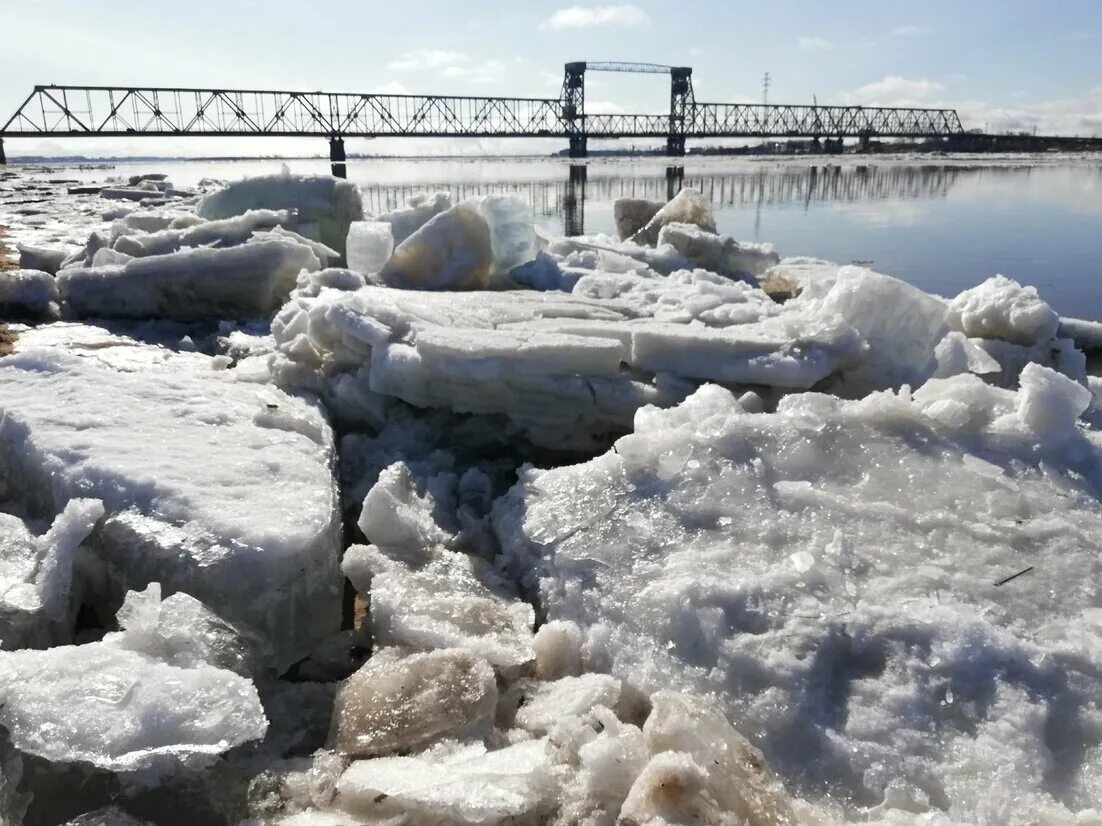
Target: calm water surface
[942, 224]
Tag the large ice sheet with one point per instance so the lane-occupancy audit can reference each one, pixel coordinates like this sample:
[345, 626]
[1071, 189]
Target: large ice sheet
[240, 282]
[227, 232]
[894, 597]
[218, 488]
[327, 202]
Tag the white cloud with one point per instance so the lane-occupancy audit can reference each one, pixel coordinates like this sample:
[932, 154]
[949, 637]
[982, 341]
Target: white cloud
[911, 30]
[808, 43]
[603, 107]
[391, 87]
[485, 72]
[578, 17]
[425, 59]
[894, 90]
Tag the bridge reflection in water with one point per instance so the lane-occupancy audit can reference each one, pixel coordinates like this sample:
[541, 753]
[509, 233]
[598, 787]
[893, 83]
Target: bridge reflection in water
[562, 202]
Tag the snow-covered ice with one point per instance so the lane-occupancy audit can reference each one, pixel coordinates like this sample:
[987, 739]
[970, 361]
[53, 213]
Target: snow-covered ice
[866, 646]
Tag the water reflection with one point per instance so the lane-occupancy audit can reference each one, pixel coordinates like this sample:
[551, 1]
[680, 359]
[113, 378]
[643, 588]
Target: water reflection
[565, 199]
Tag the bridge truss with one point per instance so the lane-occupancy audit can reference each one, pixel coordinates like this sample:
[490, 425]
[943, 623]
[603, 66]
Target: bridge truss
[109, 111]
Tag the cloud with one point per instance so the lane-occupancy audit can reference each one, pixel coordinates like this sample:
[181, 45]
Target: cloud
[484, 72]
[603, 107]
[911, 30]
[808, 43]
[427, 59]
[580, 17]
[894, 90]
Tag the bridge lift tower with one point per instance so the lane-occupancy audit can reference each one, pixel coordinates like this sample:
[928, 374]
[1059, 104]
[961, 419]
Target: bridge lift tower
[573, 100]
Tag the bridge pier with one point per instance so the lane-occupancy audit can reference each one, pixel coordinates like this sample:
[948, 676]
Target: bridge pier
[336, 157]
[675, 145]
[3, 158]
[863, 142]
[578, 146]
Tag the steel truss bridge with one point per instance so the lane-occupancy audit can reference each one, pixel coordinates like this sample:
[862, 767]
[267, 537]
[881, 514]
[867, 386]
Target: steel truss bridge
[109, 111]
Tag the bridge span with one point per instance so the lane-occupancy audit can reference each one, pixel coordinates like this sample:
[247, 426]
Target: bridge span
[116, 111]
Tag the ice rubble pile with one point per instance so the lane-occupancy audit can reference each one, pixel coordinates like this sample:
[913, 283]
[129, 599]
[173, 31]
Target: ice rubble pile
[754, 546]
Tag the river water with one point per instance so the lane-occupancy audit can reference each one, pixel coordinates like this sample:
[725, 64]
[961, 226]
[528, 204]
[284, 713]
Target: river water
[942, 223]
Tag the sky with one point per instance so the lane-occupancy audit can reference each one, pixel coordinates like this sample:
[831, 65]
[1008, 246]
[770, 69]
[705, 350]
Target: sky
[1003, 64]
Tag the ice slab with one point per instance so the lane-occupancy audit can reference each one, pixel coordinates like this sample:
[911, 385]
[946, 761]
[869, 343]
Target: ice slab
[467, 785]
[28, 293]
[877, 652]
[214, 487]
[399, 703]
[37, 598]
[330, 203]
[108, 705]
[240, 282]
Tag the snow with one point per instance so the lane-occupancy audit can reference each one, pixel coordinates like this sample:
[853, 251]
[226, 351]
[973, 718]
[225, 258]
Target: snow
[331, 204]
[239, 282]
[401, 703]
[28, 293]
[117, 708]
[369, 244]
[217, 488]
[884, 657]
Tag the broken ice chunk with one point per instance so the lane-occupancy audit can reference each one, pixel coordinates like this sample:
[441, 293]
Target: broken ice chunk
[550, 703]
[108, 705]
[720, 254]
[687, 207]
[240, 282]
[405, 221]
[28, 293]
[1002, 308]
[330, 203]
[36, 576]
[467, 785]
[370, 244]
[453, 601]
[632, 214]
[42, 259]
[398, 703]
[452, 251]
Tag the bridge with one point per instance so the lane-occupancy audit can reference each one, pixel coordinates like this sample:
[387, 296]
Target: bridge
[112, 111]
